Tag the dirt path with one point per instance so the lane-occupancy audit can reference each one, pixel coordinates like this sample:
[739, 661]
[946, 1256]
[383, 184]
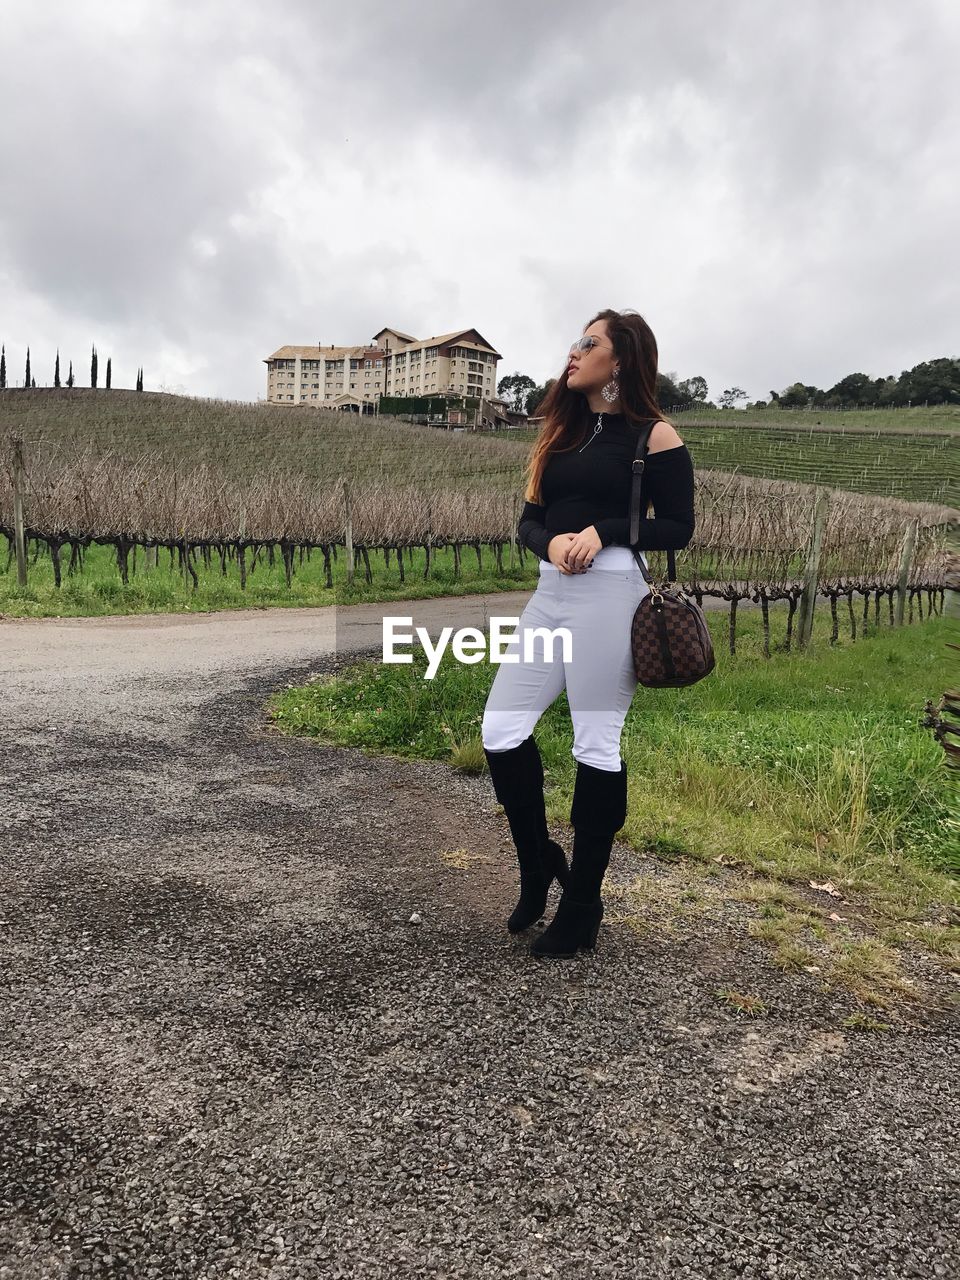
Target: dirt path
[227, 1051]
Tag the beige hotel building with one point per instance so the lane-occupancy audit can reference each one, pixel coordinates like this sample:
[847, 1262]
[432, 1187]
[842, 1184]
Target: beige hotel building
[394, 364]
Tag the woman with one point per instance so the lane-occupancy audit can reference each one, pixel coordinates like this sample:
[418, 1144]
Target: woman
[576, 520]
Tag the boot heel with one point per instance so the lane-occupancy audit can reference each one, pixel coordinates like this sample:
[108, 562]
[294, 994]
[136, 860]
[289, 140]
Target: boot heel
[534, 888]
[591, 940]
[574, 927]
[557, 863]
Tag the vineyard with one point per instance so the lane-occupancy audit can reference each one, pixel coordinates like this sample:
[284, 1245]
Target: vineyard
[861, 453]
[223, 484]
[912, 467]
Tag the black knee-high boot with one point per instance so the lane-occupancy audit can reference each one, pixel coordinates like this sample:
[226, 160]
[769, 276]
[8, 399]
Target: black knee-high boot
[598, 811]
[517, 777]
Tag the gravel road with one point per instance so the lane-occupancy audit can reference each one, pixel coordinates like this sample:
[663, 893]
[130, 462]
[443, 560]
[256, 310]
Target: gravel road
[226, 1051]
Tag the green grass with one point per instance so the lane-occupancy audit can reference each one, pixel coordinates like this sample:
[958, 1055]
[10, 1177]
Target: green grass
[803, 766]
[98, 590]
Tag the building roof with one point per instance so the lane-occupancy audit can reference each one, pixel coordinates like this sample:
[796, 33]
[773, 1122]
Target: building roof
[441, 339]
[397, 333]
[444, 338]
[478, 346]
[326, 353]
[334, 353]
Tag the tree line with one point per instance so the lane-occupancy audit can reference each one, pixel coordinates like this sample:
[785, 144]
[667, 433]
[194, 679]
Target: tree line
[930, 382]
[29, 380]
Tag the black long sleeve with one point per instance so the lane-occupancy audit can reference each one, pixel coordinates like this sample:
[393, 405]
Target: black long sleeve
[531, 530]
[668, 484]
[581, 490]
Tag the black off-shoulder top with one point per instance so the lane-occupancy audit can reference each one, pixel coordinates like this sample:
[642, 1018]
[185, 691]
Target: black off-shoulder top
[590, 485]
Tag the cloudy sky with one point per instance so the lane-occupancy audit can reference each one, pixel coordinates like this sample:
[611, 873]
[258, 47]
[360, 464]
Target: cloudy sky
[192, 185]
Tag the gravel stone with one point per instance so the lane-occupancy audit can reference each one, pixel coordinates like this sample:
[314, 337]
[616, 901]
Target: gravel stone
[226, 1053]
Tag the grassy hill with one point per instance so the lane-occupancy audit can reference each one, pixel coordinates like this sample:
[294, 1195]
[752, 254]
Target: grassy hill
[242, 438]
[902, 453]
[910, 453]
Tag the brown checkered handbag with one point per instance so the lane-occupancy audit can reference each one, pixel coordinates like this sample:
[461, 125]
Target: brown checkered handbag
[669, 636]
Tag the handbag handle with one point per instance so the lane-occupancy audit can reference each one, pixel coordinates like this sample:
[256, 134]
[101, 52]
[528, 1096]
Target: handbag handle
[638, 464]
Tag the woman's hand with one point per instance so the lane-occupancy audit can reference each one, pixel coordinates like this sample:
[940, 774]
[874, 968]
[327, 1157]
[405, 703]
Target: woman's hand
[557, 551]
[582, 548]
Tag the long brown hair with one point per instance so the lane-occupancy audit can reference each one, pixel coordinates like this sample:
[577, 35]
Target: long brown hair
[567, 414]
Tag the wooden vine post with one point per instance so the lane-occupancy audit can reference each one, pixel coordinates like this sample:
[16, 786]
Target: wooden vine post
[513, 530]
[428, 543]
[18, 533]
[906, 563]
[811, 576]
[348, 530]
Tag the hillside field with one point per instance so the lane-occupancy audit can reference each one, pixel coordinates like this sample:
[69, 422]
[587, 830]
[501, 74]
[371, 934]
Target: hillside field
[911, 453]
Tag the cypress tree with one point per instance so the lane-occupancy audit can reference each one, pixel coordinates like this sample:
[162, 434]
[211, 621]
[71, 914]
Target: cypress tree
[140, 378]
[3, 368]
[26, 376]
[33, 383]
[109, 360]
[70, 375]
[93, 368]
[56, 370]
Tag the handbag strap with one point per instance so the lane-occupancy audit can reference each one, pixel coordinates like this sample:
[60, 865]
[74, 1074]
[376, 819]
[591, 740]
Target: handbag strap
[638, 464]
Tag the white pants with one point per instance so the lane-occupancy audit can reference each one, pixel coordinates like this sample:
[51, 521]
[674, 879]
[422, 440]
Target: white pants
[596, 607]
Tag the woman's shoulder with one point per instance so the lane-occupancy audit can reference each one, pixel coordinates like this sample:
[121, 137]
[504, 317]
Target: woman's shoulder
[663, 443]
[663, 437]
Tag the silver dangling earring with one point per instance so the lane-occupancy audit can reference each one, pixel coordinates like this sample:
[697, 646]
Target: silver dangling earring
[611, 391]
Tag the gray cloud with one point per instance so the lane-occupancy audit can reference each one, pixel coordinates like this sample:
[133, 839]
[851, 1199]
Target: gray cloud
[190, 186]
